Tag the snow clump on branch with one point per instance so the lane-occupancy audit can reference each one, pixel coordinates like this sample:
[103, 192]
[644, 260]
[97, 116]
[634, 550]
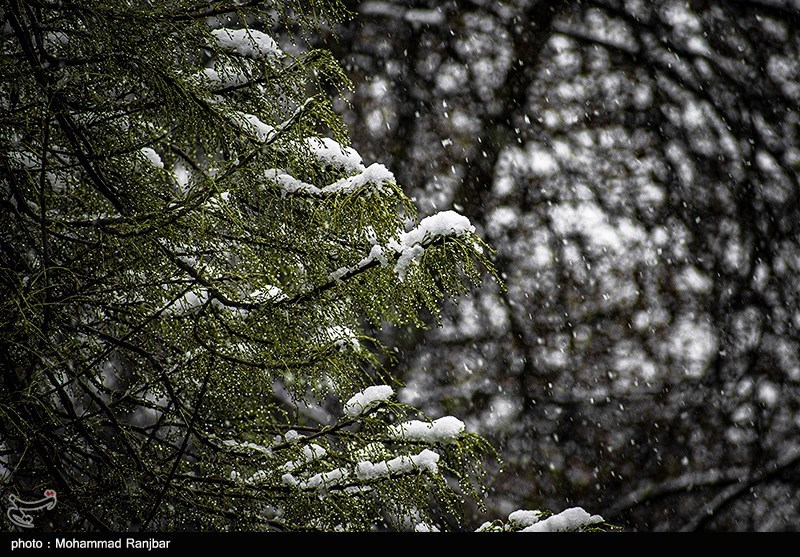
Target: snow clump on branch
[366, 400]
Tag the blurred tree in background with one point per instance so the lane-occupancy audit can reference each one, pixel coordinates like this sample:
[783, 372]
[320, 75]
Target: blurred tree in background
[637, 166]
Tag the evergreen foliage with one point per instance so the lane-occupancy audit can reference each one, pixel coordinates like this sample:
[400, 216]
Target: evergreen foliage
[188, 259]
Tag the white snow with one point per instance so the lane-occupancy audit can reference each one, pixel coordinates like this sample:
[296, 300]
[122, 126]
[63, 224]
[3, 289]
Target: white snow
[542, 163]
[376, 175]
[247, 42]
[693, 279]
[488, 526]
[565, 521]
[290, 184]
[367, 399]
[228, 78]
[292, 436]
[357, 489]
[501, 219]
[218, 201]
[438, 431]
[53, 38]
[252, 124]
[768, 393]
[693, 116]
[523, 519]
[152, 156]
[247, 445]
[366, 470]
[500, 412]
[376, 253]
[370, 451]
[411, 245]
[189, 302]
[424, 17]
[257, 477]
[343, 337]
[533, 160]
[310, 453]
[589, 220]
[324, 479]
[268, 293]
[26, 158]
[404, 464]
[329, 151]
[340, 272]
[443, 223]
[408, 255]
[693, 344]
[182, 175]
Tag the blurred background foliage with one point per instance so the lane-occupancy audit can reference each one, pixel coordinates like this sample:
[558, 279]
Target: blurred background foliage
[636, 165]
